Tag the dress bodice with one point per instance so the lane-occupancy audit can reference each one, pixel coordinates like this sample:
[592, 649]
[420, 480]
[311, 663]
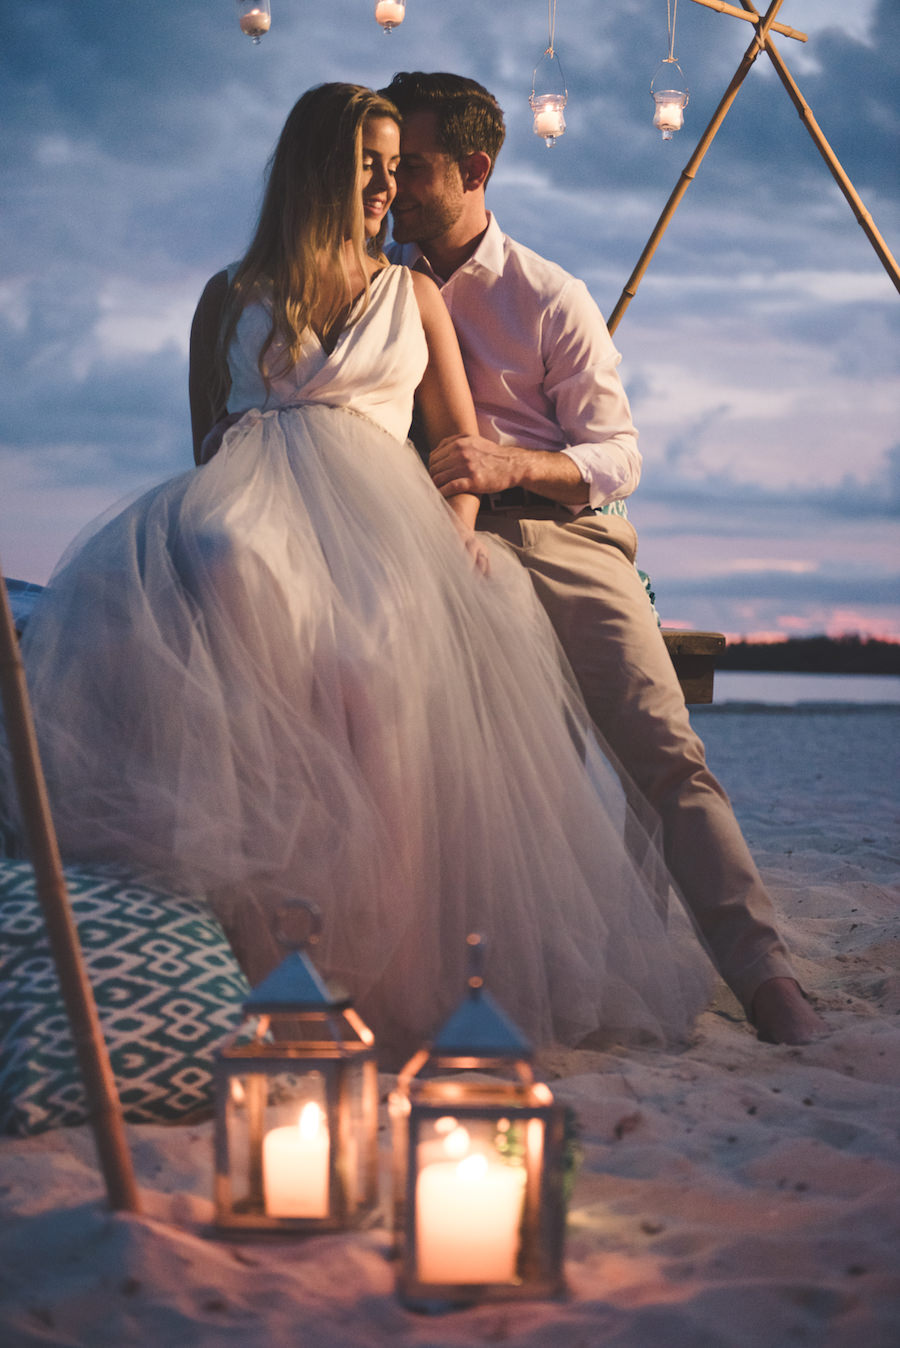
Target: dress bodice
[374, 368]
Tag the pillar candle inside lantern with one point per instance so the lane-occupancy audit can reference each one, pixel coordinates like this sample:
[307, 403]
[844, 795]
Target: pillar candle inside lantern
[468, 1214]
[295, 1166]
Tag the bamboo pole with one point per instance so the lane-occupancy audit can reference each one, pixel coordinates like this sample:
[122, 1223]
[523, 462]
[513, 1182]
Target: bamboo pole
[736, 13]
[104, 1109]
[853, 198]
[690, 169]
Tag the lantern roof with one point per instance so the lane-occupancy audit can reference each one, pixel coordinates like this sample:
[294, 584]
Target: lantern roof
[295, 985]
[479, 1028]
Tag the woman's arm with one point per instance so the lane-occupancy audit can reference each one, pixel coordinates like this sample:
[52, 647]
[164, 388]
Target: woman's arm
[443, 397]
[206, 408]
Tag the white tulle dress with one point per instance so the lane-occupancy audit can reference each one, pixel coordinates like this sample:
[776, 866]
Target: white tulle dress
[279, 675]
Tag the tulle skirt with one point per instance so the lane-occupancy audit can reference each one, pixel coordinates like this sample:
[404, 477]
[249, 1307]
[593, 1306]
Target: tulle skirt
[280, 676]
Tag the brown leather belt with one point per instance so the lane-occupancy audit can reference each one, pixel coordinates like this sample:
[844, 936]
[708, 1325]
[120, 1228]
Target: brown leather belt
[526, 505]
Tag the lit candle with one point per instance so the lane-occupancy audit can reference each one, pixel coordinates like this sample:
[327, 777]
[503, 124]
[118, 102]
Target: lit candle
[669, 115]
[255, 23]
[467, 1220]
[549, 122]
[295, 1166]
[389, 13]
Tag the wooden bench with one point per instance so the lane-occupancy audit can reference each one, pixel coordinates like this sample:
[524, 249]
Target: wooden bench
[694, 656]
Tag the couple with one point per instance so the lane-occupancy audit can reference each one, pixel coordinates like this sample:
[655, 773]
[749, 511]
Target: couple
[297, 670]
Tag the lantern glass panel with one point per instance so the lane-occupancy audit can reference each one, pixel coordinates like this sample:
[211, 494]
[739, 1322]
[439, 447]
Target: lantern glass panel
[480, 1209]
[279, 1144]
[469, 1200]
[296, 1141]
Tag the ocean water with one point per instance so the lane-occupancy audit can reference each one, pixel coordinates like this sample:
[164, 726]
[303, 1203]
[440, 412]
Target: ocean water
[822, 774]
[795, 690]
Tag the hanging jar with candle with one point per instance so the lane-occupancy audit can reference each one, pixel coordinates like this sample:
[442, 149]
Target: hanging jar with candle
[668, 88]
[255, 18]
[670, 97]
[296, 1106]
[548, 106]
[390, 14]
[478, 1145]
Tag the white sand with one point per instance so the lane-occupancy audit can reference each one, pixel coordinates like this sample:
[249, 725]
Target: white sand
[731, 1194]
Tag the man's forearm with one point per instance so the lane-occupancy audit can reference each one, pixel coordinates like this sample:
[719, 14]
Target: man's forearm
[552, 474]
[471, 463]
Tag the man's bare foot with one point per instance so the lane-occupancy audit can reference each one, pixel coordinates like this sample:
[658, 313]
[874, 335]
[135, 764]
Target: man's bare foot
[781, 1014]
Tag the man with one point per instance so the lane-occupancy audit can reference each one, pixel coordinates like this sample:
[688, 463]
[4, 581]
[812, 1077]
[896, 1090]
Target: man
[556, 451]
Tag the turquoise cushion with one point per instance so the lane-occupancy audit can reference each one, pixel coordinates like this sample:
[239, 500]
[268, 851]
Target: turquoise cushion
[167, 989]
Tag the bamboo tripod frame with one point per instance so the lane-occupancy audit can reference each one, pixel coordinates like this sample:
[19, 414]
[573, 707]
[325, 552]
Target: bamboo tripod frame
[104, 1109]
[762, 41]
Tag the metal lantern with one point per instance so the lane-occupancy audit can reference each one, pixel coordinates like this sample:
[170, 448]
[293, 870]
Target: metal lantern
[390, 13]
[479, 1209]
[671, 98]
[255, 18]
[296, 1108]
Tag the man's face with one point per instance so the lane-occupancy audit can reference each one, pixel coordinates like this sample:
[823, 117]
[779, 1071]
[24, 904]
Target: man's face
[429, 197]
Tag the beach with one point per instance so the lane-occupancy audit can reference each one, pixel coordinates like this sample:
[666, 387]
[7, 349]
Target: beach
[730, 1193]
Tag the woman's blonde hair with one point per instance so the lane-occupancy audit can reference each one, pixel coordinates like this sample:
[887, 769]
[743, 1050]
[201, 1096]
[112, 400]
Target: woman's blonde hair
[312, 205]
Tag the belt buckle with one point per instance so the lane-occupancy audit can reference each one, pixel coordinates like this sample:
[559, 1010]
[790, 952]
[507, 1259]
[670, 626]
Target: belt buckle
[511, 498]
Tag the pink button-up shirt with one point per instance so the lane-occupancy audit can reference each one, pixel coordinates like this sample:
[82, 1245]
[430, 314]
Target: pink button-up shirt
[541, 364]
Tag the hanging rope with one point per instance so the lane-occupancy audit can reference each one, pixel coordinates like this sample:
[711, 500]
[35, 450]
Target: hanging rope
[551, 25]
[671, 17]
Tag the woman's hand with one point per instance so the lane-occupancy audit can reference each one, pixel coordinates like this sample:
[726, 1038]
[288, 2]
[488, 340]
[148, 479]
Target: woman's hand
[477, 550]
[463, 509]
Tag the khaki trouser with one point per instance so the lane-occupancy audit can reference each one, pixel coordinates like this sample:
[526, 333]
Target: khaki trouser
[583, 572]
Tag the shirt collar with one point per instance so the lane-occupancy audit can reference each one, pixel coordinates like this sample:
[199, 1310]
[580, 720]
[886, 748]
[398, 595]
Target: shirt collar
[488, 254]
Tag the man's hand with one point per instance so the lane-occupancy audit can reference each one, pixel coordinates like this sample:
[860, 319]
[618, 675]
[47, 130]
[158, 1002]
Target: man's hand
[469, 463]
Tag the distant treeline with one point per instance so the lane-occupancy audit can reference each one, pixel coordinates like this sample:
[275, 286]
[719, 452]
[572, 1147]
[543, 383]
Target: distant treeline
[814, 655]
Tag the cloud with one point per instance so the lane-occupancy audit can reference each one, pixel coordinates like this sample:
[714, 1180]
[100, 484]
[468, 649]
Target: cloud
[759, 351]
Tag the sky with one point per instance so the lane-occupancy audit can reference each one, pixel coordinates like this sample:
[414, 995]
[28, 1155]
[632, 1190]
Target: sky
[761, 352]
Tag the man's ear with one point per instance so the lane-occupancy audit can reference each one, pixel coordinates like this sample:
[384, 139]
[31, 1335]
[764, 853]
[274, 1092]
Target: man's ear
[474, 170]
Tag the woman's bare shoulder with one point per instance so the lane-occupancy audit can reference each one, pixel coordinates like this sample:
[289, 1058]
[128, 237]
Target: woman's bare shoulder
[428, 298]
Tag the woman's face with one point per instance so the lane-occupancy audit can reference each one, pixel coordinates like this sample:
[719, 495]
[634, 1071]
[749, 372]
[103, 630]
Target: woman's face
[380, 157]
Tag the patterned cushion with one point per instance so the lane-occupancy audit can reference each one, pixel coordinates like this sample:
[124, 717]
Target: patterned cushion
[167, 988]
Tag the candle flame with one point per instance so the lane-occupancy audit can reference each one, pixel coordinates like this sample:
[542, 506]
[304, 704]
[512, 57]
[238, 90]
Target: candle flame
[456, 1144]
[310, 1120]
[473, 1167]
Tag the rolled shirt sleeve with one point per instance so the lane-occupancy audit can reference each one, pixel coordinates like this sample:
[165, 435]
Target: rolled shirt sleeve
[590, 403]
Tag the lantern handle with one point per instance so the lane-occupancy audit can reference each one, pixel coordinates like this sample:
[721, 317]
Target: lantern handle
[285, 911]
[554, 56]
[550, 50]
[671, 61]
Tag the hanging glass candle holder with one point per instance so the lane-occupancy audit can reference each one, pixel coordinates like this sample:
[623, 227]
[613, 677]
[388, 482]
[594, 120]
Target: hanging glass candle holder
[255, 18]
[390, 13]
[478, 1144]
[296, 1107]
[548, 105]
[670, 96]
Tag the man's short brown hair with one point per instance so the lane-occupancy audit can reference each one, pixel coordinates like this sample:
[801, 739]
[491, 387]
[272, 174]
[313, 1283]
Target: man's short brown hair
[468, 118]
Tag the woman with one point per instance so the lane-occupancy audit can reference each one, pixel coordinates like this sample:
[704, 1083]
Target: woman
[282, 674]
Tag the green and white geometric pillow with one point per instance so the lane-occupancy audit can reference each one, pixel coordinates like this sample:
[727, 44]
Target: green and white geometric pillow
[167, 987]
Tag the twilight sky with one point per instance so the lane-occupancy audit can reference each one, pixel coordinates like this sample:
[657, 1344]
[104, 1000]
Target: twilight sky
[761, 353]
